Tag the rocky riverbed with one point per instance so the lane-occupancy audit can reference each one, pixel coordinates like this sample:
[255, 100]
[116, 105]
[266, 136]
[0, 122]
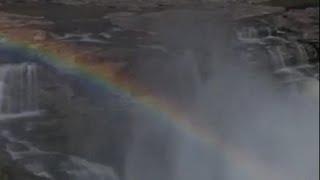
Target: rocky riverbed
[63, 142]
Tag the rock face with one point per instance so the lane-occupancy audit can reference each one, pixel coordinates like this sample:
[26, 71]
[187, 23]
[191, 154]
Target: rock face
[245, 11]
[291, 40]
[133, 3]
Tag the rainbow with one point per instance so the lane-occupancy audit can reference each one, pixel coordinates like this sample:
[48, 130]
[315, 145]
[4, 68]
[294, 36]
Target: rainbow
[69, 59]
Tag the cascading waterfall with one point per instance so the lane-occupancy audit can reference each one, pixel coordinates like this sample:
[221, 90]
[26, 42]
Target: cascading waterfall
[277, 57]
[303, 55]
[18, 90]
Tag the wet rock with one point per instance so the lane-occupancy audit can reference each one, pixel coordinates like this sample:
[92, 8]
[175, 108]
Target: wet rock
[12, 171]
[73, 2]
[256, 1]
[9, 20]
[245, 11]
[152, 22]
[304, 21]
[128, 4]
[16, 147]
[304, 16]
[114, 16]
[118, 54]
[291, 40]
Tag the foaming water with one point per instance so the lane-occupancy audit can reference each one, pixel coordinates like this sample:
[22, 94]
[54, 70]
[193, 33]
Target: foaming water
[18, 88]
[19, 101]
[31, 150]
[38, 162]
[26, 114]
[85, 38]
[260, 132]
[88, 170]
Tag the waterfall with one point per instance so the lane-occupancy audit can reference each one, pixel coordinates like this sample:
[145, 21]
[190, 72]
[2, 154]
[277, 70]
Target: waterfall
[18, 90]
[277, 55]
[303, 56]
[249, 35]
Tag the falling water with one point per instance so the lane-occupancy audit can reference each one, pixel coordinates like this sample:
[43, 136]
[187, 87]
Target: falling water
[18, 90]
[303, 55]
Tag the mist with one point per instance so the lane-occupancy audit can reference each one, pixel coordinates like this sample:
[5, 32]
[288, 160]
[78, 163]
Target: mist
[265, 130]
[241, 90]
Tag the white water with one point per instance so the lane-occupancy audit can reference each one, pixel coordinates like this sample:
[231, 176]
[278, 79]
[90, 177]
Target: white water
[19, 91]
[7, 117]
[19, 86]
[302, 53]
[86, 38]
[266, 133]
[91, 170]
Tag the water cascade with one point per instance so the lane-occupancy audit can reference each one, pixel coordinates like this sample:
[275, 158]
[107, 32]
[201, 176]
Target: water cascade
[18, 90]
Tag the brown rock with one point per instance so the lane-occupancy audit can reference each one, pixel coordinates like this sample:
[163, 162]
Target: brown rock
[40, 35]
